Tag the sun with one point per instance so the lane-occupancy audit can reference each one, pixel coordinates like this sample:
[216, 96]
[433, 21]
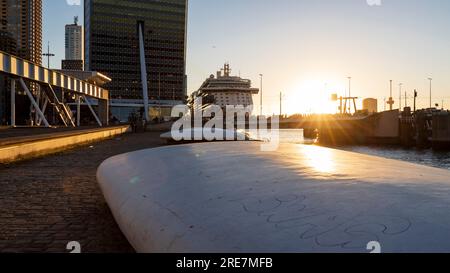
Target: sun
[312, 97]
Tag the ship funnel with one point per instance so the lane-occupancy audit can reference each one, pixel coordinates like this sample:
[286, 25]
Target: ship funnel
[226, 70]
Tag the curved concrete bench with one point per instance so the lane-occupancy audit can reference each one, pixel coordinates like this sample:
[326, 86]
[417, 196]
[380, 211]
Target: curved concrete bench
[200, 131]
[231, 197]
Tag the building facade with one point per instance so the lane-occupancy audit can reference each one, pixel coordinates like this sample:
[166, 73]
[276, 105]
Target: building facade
[7, 42]
[74, 41]
[72, 65]
[112, 47]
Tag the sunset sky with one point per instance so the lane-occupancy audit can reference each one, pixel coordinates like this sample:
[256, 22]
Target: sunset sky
[307, 48]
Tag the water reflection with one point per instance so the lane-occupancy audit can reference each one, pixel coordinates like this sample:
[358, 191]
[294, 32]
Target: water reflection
[423, 157]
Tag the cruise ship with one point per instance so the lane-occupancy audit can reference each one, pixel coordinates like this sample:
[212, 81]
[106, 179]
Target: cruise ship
[223, 89]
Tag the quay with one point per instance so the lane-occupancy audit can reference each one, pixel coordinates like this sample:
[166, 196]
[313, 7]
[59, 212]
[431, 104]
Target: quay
[25, 143]
[425, 128]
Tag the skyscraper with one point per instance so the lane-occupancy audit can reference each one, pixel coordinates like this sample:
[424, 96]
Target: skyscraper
[112, 46]
[20, 35]
[74, 41]
[74, 47]
[21, 23]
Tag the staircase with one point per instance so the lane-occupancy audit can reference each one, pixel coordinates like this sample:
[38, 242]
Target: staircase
[62, 109]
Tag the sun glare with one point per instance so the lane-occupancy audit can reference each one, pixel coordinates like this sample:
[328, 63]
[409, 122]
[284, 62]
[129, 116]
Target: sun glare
[320, 159]
[312, 97]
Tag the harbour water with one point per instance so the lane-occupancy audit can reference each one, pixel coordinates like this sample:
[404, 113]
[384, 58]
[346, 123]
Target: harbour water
[426, 157]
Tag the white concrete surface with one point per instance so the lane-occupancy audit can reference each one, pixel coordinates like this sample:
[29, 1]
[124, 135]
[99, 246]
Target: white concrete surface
[203, 132]
[231, 197]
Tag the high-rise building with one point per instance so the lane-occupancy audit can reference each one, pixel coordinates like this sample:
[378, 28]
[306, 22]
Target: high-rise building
[21, 23]
[74, 41]
[112, 47]
[20, 35]
[7, 42]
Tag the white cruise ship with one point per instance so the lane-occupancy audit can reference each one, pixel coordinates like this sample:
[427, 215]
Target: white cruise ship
[224, 89]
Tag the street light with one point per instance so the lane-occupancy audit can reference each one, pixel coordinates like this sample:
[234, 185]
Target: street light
[261, 96]
[391, 100]
[349, 86]
[281, 104]
[430, 79]
[400, 96]
[349, 93]
[48, 55]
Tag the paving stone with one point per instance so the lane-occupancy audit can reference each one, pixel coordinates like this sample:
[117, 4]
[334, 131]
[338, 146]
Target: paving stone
[47, 202]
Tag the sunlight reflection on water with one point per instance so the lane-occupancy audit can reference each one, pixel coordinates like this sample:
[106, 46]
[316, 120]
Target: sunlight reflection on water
[424, 157]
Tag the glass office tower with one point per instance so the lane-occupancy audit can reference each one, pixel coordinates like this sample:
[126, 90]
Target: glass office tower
[112, 47]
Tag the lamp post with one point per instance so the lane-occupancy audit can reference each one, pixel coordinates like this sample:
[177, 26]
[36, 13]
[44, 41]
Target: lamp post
[391, 100]
[400, 96]
[406, 99]
[431, 104]
[350, 93]
[261, 96]
[415, 98]
[281, 104]
[48, 55]
[349, 86]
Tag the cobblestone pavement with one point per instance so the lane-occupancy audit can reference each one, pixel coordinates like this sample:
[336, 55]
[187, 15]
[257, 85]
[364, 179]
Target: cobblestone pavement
[47, 202]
